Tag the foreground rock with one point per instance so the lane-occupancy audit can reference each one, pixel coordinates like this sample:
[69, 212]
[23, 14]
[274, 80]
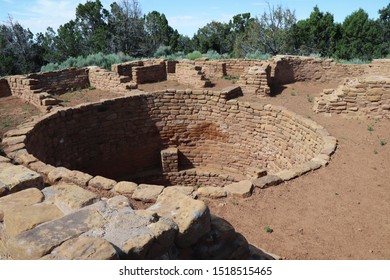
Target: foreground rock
[36, 243]
[191, 216]
[18, 177]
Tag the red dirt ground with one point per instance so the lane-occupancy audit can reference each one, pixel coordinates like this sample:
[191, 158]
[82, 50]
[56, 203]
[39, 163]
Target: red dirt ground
[341, 211]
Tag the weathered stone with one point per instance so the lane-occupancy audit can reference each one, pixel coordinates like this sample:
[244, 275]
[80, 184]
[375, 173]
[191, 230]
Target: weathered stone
[77, 177]
[125, 187]
[84, 248]
[267, 181]
[69, 197]
[1, 216]
[102, 183]
[20, 219]
[41, 167]
[3, 189]
[18, 177]
[287, 174]
[241, 189]
[192, 216]
[39, 241]
[212, 192]
[137, 247]
[183, 189]
[4, 159]
[118, 202]
[147, 193]
[56, 174]
[22, 198]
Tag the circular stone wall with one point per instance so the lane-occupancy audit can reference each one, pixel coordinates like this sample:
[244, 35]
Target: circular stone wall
[123, 138]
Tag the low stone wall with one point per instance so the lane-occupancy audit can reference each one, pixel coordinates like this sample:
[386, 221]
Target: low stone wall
[110, 81]
[191, 75]
[58, 82]
[365, 96]
[125, 136]
[150, 74]
[255, 81]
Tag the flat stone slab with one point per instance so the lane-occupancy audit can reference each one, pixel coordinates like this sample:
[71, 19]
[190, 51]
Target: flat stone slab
[287, 174]
[125, 187]
[18, 177]
[77, 177]
[39, 241]
[69, 197]
[102, 183]
[22, 198]
[24, 218]
[84, 248]
[212, 192]
[267, 181]
[147, 193]
[134, 232]
[4, 159]
[192, 216]
[241, 189]
[56, 174]
[189, 191]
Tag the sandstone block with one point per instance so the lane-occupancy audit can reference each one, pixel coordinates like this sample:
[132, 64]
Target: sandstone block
[102, 183]
[58, 173]
[22, 198]
[118, 202]
[287, 174]
[77, 177]
[212, 192]
[183, 189]
[147, 193]
[241, 189]
[18, 177]
[39, 241]
[125, 187]
[69, 197]
[84, 248]
[21, 219]
[267, 181]
[192, 216]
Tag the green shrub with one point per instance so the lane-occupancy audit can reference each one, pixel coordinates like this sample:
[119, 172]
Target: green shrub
[99, 59]
[258, 55]
[194, 55]
[163, 51]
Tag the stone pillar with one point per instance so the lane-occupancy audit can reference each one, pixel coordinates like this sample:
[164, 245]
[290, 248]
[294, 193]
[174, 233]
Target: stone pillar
[170, 160]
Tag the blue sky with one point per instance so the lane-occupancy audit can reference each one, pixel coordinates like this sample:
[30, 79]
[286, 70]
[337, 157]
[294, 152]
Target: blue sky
[185, 16]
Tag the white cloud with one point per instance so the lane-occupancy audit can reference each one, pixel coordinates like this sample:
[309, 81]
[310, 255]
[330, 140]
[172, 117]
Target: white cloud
[8, 1]
[44, 13]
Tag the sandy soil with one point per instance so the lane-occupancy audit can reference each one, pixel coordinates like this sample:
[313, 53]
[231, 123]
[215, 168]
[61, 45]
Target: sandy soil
[341, 211]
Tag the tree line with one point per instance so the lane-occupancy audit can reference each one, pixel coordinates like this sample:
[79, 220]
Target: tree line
[125, 30]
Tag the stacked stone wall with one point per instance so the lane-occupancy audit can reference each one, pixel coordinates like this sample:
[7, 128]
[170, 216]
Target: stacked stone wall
[150, 74]
[109, 81]
[58, 82]
[125, 136]
[365, 96]
[191, 75]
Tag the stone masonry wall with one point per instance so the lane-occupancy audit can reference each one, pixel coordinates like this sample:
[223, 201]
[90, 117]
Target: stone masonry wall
[191, 75]
[365, 96]
[150, 74]
[125, 136]
[58, 82]
[106, 80]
